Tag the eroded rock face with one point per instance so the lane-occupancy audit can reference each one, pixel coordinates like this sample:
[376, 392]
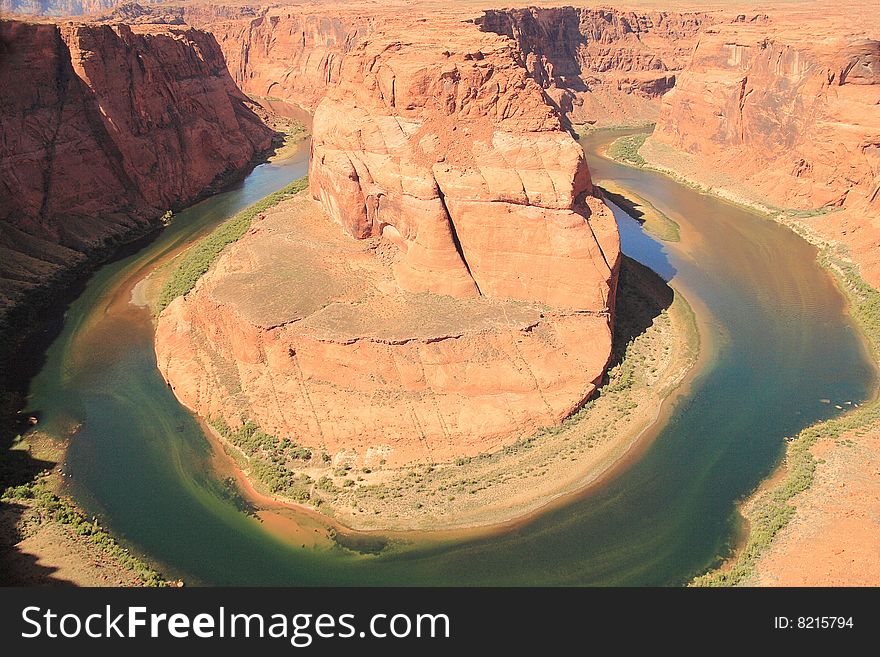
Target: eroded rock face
[104, 128]
[292, 54]
[57, 7]
[450, 291]
[791, 111]
[601, 65]
[304, 330]
[448, 147]
[597, 66]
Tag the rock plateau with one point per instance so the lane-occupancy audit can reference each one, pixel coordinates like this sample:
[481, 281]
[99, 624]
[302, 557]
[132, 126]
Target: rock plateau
[466, 297]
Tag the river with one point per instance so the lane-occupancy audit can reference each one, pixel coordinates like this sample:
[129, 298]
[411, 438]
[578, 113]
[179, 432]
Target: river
[780, 341]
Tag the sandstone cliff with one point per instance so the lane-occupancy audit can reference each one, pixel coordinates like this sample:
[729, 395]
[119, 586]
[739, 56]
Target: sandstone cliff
[289, 53]
[104, 128]
[59, 7]
[462, 300]
[790, 115]
[598, 66]
[601, 65]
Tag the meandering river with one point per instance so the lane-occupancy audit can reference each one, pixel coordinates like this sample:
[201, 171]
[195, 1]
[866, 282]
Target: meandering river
[780, 343]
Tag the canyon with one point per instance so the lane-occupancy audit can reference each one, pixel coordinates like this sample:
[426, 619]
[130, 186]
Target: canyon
[109, 128]
[449, 284]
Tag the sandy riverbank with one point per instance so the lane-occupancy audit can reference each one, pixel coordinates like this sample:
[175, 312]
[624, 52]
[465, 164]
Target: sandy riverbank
[816, 520]
[656, 347]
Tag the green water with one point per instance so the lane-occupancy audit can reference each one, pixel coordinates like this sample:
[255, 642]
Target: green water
[780, 343]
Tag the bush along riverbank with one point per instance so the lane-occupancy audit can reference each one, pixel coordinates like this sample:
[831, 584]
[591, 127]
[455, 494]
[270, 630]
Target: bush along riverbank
[769, 509]
[197, 260]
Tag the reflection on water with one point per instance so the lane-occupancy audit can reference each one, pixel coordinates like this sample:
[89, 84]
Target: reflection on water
[780, 343]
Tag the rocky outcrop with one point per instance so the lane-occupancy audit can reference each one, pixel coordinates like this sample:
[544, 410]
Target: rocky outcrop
[456, 296]
[104, 129]
[59, 7]
[791, 119]
[303, 330]
[446, 145]
[601, 65]
[290, 54]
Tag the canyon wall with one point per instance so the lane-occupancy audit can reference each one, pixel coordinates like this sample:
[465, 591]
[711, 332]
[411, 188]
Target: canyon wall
[104, 129]
[791, 117]
[287, 54]
[601, 66]
[451, 291]
[597, 66]
[59, 7]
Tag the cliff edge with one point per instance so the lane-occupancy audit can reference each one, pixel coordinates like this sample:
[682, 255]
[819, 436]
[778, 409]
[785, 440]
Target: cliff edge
[450, 292]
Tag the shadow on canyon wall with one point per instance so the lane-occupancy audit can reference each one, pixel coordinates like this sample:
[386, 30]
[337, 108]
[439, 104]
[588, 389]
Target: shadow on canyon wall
[642, 296]
[18, 467]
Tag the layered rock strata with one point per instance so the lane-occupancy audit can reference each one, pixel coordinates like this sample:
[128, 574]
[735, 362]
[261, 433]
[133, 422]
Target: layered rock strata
[596, 66]
[601, 65]
[451, 291]
[104, 129]
[788, 114]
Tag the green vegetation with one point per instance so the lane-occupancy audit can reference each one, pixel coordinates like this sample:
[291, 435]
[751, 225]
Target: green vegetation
[269, 458]
[52, 508]
[626, 149]
[771, 510]
[654, 222]
[198, 259]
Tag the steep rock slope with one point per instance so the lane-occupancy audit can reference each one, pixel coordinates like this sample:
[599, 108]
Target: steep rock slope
[104, 128]
[601, 65]
[287, 54]
[597, 65]
[470, 297]
[59, 7]
[789, 113]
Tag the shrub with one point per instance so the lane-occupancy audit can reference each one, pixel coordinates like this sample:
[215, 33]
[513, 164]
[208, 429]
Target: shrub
[626, 149]
[198, 259]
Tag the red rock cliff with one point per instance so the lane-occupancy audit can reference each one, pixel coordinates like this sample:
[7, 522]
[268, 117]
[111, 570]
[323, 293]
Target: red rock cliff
[289, 53]
[104, 128]
[601, 65]
[456, 295]
[790, 114]
[605, 66]
[59, 7]
[442, 141]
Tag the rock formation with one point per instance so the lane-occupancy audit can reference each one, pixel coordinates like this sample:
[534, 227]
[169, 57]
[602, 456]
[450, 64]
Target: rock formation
[462, 300]
[597, 66]
[601, 65]
[104, 129]
[59, 7]
[283, 53]
[790, 113]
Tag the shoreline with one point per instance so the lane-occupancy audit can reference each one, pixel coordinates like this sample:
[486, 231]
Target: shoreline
[766, 512]
[34, 502]
[483, 513]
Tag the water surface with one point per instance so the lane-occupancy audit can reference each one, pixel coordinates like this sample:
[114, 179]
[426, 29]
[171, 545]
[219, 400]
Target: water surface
[780, 342]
